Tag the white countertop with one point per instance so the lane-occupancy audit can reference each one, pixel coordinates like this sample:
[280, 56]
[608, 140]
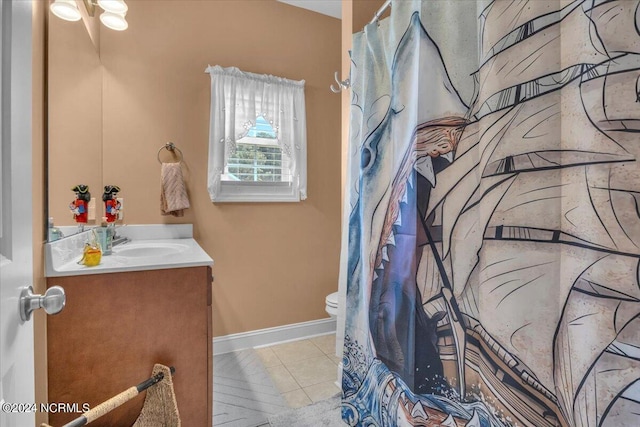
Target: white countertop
[62, 256]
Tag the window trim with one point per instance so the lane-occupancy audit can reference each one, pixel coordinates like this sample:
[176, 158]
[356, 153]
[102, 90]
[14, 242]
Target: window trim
[249, 191]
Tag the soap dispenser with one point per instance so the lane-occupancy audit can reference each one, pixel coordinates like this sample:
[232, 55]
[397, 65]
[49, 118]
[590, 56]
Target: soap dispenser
[54, 232]
[105, 234]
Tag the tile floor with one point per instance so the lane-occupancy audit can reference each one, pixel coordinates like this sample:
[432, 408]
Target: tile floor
[303, 371]
[251, 385]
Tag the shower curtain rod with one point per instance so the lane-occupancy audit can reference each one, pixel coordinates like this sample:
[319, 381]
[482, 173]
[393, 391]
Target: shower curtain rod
[381, 11]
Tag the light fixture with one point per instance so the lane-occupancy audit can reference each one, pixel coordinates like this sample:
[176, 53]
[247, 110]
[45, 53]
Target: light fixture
[113, 16]
[115, 21]
[114, 6]
[66, 9]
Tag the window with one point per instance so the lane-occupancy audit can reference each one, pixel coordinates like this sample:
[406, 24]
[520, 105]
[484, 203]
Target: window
[257, 137]
[257, 157]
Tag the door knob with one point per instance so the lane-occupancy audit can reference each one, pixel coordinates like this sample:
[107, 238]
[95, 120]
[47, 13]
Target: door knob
[52, 301]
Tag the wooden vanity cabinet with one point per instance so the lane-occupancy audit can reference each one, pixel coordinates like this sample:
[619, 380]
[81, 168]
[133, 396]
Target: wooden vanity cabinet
[116, 326]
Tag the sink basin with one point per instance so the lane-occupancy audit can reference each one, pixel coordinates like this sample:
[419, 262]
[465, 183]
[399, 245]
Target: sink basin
[139, 250]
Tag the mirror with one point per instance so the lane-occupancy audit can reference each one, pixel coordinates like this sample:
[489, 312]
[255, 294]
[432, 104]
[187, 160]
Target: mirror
[74, 79]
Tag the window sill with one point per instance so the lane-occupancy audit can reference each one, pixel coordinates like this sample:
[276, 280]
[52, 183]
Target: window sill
[236, 191]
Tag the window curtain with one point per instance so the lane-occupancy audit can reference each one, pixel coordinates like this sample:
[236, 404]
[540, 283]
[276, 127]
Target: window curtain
[493, 236]
[237, 99]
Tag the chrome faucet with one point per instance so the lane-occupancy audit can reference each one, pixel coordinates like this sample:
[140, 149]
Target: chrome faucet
[118, 240]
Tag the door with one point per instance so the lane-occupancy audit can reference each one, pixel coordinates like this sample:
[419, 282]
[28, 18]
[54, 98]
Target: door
[16, 272]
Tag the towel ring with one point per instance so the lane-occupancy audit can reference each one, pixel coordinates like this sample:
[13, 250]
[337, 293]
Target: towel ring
[170, 146]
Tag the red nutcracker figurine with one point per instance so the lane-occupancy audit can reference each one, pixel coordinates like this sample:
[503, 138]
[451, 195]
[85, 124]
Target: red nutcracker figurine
[111, 204]
[80, 206]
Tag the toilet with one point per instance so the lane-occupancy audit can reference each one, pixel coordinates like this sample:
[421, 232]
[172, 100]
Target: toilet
[331, 306]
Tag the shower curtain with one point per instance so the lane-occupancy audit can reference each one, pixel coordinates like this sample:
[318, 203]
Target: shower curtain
[493, 236]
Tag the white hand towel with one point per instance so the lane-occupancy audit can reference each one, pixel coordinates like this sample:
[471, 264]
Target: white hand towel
[173, 195]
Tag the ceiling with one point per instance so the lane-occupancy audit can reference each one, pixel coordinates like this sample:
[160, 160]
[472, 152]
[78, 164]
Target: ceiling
[326, 7]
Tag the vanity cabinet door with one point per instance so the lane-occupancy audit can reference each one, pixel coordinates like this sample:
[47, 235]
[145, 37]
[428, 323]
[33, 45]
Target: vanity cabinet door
[116, 326]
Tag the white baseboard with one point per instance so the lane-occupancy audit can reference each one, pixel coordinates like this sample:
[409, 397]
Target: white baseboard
[271, 336]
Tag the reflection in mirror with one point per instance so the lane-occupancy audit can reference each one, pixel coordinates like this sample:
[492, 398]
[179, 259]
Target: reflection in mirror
[75, 119]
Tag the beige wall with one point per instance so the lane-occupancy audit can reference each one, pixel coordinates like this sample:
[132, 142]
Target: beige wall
[274, 262]
[363, 12]
[91, 23]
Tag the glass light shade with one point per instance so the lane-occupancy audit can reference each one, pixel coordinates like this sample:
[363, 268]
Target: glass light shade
[115, 21]
[66, 9]
[113, 6]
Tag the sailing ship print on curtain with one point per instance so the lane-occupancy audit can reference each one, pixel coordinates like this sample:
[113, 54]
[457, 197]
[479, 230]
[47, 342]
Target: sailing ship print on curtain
[493, 237]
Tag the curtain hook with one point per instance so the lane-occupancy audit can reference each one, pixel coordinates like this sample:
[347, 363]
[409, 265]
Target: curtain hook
[344, 84]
